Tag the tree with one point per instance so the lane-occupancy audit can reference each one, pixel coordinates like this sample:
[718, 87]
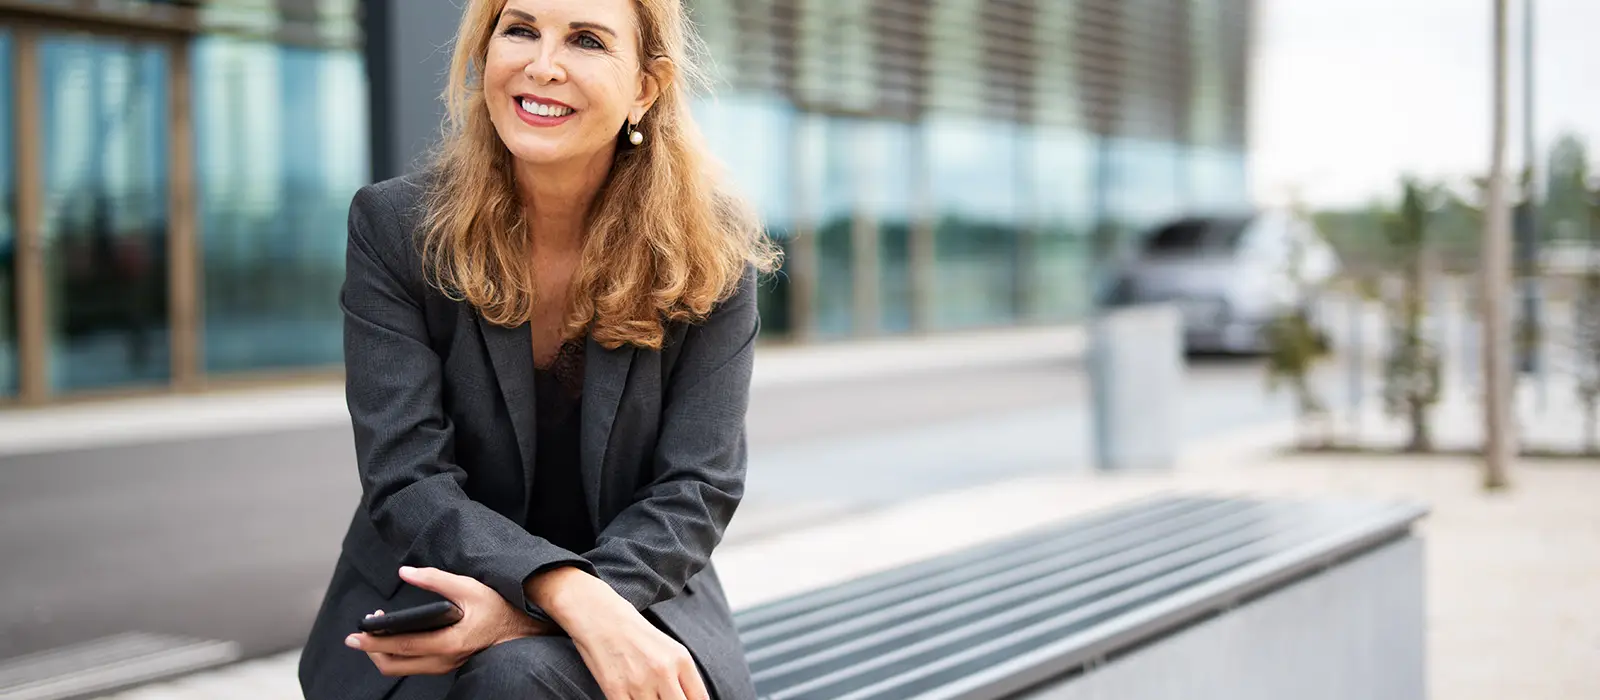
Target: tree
[1295, 345]
[1588, 332]
[1566, 209]
[1412, 376]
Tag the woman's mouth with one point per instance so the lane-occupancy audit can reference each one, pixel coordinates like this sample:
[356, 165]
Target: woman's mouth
[542, 113]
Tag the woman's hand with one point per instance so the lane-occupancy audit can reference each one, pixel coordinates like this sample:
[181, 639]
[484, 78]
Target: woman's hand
[628, 656]
[486, 620]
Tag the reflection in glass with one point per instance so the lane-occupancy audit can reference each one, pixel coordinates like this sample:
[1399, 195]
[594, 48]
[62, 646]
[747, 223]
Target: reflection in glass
[1145, 181]
[1216, 179]
[752, 135]
[975, 185]
[281, 147]
[887, 173]
[1062, 169]
[105, 211]
[831, 180]
[8, 234]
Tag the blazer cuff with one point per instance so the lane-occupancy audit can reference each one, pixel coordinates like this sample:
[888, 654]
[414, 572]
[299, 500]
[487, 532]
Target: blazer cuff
[514, 589]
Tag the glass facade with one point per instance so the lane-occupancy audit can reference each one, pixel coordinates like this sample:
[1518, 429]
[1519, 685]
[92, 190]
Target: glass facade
[8, 232]
[975, 173]
[887, 170]
[1061, 185]
[104, 111]
[281, 147]
[752, 135]
[926, 165]
[831, 179]
[949, 160]
[247, 188]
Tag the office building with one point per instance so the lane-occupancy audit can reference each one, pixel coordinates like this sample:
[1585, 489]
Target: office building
[176, 174]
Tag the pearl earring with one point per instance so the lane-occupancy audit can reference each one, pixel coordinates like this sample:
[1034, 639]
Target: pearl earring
[634, 137]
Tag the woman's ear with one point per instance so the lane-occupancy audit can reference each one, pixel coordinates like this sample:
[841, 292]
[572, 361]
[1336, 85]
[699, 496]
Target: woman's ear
[655, 77]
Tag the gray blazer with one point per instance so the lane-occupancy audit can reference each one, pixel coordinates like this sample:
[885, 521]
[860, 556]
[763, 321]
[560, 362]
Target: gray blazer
[443, 409]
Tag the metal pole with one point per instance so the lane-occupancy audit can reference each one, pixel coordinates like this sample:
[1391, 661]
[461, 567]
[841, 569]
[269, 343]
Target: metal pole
[1101, 280]
[1499, 441]
[1532, 361]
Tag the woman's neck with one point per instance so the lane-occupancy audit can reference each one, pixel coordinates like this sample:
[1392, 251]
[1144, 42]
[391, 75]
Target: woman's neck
[556, 200]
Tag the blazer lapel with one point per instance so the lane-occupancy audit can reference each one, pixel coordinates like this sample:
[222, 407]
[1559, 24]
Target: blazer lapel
[511, 351]
[605, 376]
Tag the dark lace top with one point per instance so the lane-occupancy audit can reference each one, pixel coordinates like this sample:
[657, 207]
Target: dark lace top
[559, 511]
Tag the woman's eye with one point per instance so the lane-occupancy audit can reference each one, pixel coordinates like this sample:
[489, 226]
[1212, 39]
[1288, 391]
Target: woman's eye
[521, 31]
[589, 42]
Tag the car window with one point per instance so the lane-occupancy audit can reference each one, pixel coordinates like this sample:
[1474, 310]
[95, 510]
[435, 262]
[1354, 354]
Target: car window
[1198, 235]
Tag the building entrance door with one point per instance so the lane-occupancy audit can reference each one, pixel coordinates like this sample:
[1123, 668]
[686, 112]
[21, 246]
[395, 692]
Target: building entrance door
[97, 162]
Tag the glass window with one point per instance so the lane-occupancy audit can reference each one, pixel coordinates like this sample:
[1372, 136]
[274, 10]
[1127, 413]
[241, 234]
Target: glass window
[1145, 177]
[752, 135]
[1055, 66]
[975, 183]
[835, 51]
[888, 162]
[955, 51]
[717, 24]
[1216, 179]
[1208, 99]
[830, 182]
[105, 211]
[1062, 186]
[8, 235]
[281, 146]
[1197, 236]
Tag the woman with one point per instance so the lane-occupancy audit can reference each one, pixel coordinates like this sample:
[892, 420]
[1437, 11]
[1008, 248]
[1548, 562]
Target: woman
[548, 339]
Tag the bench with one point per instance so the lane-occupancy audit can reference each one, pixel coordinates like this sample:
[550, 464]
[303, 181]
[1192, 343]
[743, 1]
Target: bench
[1172, 597]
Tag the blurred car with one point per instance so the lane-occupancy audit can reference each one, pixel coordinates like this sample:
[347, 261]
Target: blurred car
[1229, 275]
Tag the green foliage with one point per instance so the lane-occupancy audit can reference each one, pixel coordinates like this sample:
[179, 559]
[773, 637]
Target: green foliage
[1294, 346]
[1357, 237]
[1587, 330]
[1565, 212]
[1412, 376]
[1455, 216]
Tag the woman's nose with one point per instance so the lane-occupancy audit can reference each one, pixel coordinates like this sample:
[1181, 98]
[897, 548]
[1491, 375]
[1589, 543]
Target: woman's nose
[545, 68]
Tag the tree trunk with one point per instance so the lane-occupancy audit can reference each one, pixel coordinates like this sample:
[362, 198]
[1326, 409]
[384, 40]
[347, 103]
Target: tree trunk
[1421, 436]
[1589, 437]
[1499, 437]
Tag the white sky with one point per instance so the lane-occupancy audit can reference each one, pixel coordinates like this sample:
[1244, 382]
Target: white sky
[1348, 95]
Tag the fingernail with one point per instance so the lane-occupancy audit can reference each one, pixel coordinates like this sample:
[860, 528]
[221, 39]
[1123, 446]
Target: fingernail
[407, 570]
[352, 642]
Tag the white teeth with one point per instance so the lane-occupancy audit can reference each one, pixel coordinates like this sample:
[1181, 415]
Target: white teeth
[544, 110]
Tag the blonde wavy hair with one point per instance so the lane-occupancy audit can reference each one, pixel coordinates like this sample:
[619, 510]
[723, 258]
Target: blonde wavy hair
[667, 238]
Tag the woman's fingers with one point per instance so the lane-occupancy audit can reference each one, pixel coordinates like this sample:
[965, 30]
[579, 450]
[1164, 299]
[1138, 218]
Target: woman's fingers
[394, 665]
[452, 586]
[443, 642]
[672, 691]
[694, 687]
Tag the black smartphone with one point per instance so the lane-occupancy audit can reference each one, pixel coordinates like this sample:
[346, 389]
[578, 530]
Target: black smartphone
[422, 618]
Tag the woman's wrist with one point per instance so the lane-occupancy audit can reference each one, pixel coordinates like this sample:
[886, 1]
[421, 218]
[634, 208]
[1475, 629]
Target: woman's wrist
[560, 592]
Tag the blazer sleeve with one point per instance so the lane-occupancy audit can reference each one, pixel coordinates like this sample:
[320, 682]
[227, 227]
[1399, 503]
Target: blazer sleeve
[412, 487]
[655, 545]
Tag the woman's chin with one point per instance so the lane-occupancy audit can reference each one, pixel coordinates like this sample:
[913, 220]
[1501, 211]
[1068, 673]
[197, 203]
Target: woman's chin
[542, 154]
[545, 151]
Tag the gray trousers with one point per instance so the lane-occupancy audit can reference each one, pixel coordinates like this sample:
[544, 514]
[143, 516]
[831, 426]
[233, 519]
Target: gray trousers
[532, 667]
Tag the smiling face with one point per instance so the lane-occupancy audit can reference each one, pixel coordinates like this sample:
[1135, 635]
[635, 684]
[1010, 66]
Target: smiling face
[561, 77]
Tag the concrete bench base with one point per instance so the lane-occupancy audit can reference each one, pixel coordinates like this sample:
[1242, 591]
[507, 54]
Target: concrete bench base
[1355, 631]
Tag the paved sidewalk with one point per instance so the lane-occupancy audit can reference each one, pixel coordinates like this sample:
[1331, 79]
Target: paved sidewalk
[175, 417]
[1511, 577]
